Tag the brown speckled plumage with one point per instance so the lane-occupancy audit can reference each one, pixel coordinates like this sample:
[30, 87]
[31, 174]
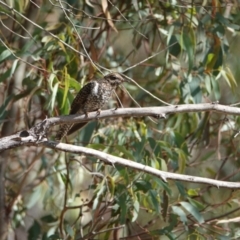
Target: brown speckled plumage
[92, 97]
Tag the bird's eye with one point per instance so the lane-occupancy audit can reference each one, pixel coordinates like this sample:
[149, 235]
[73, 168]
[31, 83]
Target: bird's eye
[113, 78]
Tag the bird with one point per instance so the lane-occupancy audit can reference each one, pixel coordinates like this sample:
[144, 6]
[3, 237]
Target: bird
[91, 97]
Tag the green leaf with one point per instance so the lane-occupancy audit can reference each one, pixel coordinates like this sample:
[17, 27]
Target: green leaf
[9, 73]
[112, 185]
[48, 219]
[5, 54]
[54, 237]
[101, 189]
[228, 76]
[143, 185]
[200, 206]
[54, 89]
[185, 91]
[173, 220]
[208, 85]
[189, 43]
[181, 160]
[70, 231]
[175, 47]
[74, 84]
[53, 96]
[178, 139]
[122, 200]
[180, 213]
[122, 149]
[155, 146]
[193, 211]
[214, 58]
[34, 231]
[210, 58]
[34, 197]
[181, 189]
[155, 200]
[216, 89]
[192, 192]
[97, 146]
[195, 89]
[136, 208]
[14, 66]
[139, 147]
[66, 86]
[86, 135]
[5, 75]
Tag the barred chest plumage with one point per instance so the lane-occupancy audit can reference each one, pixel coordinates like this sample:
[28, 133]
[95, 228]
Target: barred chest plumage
[99, 95]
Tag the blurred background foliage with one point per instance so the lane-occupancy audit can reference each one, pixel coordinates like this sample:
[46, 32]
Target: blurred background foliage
[182, 52]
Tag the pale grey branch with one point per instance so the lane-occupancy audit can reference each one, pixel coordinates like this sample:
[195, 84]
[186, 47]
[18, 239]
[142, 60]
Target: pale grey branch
[37, 135]
[113, 160]
[40, 130]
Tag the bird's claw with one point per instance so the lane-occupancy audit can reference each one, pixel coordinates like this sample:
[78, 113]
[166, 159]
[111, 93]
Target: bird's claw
[98, 112]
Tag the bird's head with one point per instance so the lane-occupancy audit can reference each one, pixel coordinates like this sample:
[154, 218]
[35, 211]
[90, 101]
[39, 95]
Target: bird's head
[115, 79]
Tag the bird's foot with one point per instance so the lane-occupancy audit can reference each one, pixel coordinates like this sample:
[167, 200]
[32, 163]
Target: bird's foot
[98, 112]
[115, 109]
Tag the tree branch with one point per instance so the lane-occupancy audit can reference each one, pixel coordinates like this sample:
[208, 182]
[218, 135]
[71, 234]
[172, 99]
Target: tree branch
[110, 159]
[38, 133]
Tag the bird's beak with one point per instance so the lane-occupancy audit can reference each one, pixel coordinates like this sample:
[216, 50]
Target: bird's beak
[127, 80]
[124, 79]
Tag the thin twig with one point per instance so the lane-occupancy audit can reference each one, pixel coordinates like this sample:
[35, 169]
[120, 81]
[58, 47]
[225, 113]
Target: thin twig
[84, 48]
[38, 26]
[127, 20]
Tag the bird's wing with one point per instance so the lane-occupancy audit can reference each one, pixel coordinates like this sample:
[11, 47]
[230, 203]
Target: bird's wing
[81, 97]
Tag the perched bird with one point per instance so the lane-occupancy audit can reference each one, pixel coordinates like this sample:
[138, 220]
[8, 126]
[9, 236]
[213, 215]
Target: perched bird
[92, 97]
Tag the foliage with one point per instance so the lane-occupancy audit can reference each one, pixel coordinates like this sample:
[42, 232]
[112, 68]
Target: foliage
[181, 52]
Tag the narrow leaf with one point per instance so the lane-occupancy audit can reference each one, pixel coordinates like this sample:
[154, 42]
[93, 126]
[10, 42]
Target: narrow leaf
[193, 211]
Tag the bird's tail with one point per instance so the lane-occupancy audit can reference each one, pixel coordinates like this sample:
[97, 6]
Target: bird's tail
[63, 131]
[68, 129]
[76, 127]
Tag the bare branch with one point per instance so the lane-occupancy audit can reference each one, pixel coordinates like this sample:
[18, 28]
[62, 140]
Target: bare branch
[113, 160]
[38, 133]
[110, 159]
[160, 112]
